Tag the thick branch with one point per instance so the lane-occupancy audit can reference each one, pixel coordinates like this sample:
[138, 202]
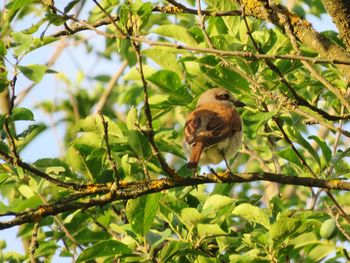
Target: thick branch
[134, 189]
[301, 28]
[339, 10]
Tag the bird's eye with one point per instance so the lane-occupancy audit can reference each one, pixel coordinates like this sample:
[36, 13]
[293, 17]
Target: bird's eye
[224, 96]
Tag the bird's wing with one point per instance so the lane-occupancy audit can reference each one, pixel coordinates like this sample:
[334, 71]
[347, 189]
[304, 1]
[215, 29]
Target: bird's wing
[212, 123]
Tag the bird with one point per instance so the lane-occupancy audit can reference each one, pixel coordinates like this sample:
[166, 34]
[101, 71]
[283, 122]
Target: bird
[213, 131]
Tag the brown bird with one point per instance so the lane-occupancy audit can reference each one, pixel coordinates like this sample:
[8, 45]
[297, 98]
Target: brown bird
[213, 131]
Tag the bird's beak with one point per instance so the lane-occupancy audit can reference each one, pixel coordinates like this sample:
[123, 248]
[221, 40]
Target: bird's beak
[238, 103]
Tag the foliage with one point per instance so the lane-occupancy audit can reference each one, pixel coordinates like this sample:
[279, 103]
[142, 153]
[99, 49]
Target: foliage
[294, 125]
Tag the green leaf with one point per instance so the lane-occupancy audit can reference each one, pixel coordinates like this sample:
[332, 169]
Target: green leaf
[33, 72]
[104, 249]
[254, 120]
[145, 12]
[132, 119]
[177, 32]
[86, 236]
[208, 230]
[321, 251]
[166, 80]
[32, 202]
[190, 216]
[296, 136]
[253, 214]
[172, 249]
[223, 76]
[3, 49]
[281, 229]
[70, 5]
[32, 130]
[139, 143]
[165, 57]
[22, 114]
[23, 43]
[217, 204]
[326, 151]
[289, 155]
[26, 191]
[141, 212]
[134, 74]
[164, 235]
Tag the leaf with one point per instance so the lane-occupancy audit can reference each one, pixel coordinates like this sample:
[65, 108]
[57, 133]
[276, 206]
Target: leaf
[134, 74]
[296, 136]
[70, 5]
[22, 114]
[32, 130]
[177, 32]
[34, 72]
[145, 12]
[321, 251]
[282, 228]
[207, 230]
[326, 151]
[139, 143]
[141, 212]
[32, 202]
[164, 235]
[26, 191]
[223, 76]
[132, 119]
[253, 121]
[190, 216]
[216, 203]
[166, 80]
[289, 155]
[252, 213]
[173, 248]
[86, 236]
[165, 57]
[104, 249]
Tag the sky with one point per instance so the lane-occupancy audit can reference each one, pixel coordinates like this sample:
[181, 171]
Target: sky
[71, 62]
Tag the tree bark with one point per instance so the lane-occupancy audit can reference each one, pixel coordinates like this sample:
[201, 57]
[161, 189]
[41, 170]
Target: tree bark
[301, 28]
[339, 10]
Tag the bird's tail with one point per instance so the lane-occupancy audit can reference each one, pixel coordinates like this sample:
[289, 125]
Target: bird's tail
[195, 155]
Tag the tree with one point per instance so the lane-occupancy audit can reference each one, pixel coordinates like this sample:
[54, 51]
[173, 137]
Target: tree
[121, 189]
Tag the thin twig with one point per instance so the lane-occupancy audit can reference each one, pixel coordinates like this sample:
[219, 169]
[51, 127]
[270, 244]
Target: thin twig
[59, 49]
[62, 226]
[34, 242]
[27, 167]
[335, 217]
[108, 149]
[338, 206]
[108, 91]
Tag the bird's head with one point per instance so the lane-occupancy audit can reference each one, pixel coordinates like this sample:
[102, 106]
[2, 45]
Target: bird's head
[219, 95]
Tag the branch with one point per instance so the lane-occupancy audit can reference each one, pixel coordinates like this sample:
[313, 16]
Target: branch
[301, 28]
[108, 150]
[34, 242]
[339, 10]
[107, 92]
[27, 167]
[130, 190]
